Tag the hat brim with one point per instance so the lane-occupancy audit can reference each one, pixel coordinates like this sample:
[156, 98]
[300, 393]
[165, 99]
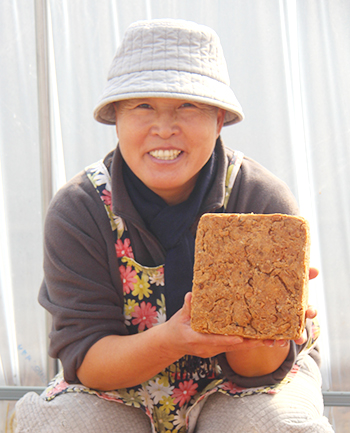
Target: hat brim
[166, 84]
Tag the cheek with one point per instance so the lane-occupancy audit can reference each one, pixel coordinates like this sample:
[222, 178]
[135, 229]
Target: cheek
[124, 144]
[126, 138]
[207, 133]
[131, 129]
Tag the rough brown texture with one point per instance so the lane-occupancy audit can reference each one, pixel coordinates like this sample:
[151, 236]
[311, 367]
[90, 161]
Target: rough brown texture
[251, 275]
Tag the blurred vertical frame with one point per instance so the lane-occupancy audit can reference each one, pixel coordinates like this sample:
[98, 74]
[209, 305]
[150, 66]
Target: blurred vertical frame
[43, 80]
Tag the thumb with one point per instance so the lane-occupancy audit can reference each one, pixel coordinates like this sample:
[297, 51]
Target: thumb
[313, 272]
[186, 309]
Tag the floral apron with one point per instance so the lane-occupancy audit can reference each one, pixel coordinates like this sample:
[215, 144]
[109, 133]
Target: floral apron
[168, 397]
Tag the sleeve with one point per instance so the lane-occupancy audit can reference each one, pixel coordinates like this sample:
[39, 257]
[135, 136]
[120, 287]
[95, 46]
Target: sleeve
[277, 375]
[81, 287]
[259, 191]
[268, 379]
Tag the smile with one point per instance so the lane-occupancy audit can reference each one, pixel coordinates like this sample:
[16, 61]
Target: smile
[167, 155]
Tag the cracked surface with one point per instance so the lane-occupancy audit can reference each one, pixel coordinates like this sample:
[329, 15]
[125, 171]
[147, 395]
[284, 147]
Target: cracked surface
[251, 275]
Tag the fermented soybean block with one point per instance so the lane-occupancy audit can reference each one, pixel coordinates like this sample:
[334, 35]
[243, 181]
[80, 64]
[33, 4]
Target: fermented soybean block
[251, 275]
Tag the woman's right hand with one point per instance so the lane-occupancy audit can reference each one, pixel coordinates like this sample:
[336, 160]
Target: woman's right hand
[121, 361]
[189, 342]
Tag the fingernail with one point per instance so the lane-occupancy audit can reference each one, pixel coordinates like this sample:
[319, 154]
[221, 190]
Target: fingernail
[283, 343]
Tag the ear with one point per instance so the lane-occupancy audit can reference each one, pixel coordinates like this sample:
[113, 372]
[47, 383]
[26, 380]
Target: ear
[220, 120]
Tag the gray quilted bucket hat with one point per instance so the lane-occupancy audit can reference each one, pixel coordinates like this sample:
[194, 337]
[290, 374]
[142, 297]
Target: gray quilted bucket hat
[169, 58]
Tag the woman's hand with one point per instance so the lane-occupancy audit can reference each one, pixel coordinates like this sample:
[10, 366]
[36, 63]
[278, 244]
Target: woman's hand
[122, 361]
[190, 342]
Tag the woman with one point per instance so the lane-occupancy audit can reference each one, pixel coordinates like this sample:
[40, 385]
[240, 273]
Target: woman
[119, 251]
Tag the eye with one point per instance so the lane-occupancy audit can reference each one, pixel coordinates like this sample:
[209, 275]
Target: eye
[187, 105]
[144, 106]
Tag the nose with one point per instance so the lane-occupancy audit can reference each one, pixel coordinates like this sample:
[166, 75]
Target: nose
[165, 124]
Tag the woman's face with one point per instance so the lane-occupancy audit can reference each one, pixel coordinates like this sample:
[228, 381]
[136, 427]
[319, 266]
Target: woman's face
[166, 142]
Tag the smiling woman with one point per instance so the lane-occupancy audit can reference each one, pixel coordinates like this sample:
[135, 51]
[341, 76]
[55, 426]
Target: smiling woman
[166, 142]
[119, 254]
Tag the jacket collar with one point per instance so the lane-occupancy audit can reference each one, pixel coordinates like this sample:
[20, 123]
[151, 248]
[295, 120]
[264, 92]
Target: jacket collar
[123, 206]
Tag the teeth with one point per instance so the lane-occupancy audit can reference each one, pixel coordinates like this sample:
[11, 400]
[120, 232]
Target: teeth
[165, 154]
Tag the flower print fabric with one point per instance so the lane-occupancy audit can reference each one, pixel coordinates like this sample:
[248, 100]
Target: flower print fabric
[123, 248]
[145, 316]
[184, 392]
[128, 276]
[168, 397]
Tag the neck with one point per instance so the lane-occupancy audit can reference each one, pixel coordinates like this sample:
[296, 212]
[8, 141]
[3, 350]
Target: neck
[179, 195]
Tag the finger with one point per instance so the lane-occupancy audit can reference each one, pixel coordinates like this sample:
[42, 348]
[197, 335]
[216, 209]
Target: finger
[250, 343]
[281, 343]
[313, 272]
[240, 343]
[300, 341]
[188, 300]
[184, 314]
[186, 309]
[311, 312]
[277, 343]
[232, 341]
